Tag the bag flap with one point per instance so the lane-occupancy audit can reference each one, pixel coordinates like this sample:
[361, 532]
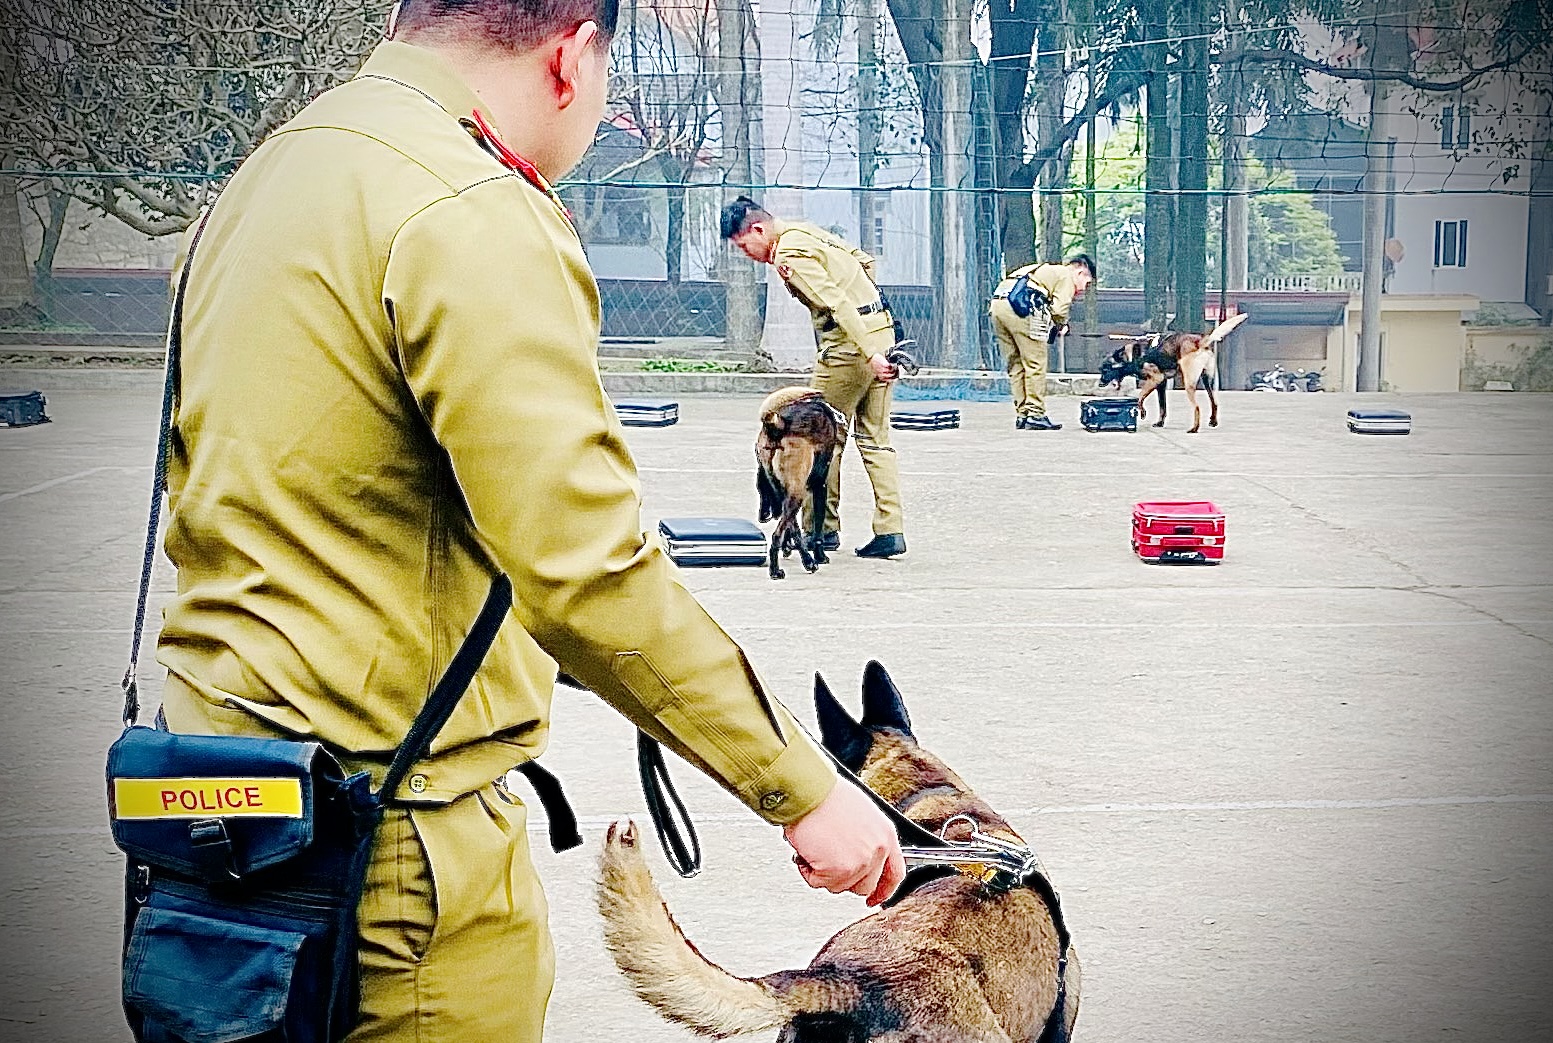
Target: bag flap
[215, 806]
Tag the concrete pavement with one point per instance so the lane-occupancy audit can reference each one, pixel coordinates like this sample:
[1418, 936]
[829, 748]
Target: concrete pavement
[1303, 795]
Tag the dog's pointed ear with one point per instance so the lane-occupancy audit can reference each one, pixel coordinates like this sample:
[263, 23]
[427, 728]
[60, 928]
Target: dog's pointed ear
[847, 740]
[883, 706]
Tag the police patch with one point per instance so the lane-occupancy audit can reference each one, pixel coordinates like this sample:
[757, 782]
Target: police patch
[206, 798]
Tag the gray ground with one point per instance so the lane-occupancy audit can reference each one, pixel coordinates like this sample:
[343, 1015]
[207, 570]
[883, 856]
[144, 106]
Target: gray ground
[1304, 795]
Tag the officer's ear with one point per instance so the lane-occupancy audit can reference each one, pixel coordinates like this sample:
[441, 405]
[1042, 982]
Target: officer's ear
[572, 60]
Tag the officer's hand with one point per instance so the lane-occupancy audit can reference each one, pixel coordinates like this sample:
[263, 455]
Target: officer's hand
[846, 844]
[883, 369]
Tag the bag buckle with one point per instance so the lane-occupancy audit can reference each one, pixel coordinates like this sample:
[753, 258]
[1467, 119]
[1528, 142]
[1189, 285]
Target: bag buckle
[213, 847]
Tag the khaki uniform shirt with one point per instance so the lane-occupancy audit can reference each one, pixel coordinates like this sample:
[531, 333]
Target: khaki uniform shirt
[390, 393]
[1056, 283]
[833, 280]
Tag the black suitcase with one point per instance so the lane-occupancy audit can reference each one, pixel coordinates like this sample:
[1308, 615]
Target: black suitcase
[928, 418]
[1379, 422]
[647, 413]
[713, 541]
[1108, 414]
[22, 408]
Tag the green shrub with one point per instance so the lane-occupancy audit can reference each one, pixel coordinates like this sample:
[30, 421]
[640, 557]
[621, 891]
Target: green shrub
[691, 366]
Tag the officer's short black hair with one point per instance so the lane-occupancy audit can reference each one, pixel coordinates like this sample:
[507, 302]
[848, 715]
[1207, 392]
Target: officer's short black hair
[740, 214]
[514, 25]
[1087, 261]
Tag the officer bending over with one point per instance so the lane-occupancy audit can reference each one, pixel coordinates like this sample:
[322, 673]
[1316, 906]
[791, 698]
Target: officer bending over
[389, 394]
[1024, 339]
[835, 282]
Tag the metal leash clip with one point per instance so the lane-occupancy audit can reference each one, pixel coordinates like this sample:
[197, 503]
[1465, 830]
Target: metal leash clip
[902, 359]
[998, 863]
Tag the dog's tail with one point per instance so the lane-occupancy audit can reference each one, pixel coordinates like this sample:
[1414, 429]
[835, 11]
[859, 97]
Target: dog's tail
[670, 974]
[1224, 328]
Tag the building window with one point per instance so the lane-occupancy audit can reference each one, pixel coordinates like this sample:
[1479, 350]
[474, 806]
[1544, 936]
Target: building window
[1456, 128]
[875, 210]
[1450, 244]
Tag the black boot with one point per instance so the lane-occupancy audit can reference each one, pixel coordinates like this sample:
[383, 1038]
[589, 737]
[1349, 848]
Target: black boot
[885, 546]
[830, 541]
[1042, 423]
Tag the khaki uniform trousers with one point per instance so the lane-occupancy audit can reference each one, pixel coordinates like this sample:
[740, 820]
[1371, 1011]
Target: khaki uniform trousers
[842, 376]
[455, 938]
[1024, 357]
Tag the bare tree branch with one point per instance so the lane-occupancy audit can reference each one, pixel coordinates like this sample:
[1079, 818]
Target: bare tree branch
[1285, 56]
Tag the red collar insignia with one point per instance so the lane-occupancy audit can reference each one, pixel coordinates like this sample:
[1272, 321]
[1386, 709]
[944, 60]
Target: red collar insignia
[514, 162]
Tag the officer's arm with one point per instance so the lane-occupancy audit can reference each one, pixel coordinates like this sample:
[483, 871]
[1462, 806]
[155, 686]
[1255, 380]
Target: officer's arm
[497, 335]
[868, 261]
[808, 274]
[1062, 298]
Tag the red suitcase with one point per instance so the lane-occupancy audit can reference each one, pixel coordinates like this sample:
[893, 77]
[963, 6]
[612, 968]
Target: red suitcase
[1178, 531]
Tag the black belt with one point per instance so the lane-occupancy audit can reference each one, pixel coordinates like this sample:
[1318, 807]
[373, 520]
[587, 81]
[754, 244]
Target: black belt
[863, 309]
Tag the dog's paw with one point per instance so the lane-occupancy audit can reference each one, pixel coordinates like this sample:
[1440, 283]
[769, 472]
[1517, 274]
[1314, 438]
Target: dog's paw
[1158, 423]
[778, 574]
[1213, 423]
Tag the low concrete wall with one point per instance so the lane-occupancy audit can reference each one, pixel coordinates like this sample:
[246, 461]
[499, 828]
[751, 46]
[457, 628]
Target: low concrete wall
[1503, 353]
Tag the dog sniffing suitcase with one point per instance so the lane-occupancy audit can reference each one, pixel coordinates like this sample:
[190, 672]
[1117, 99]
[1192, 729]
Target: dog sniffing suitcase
[925, 419]
[713, 541]
[647, 413]
[1108, 414]
[1379, 422]
[1178, 531]
[22, 408]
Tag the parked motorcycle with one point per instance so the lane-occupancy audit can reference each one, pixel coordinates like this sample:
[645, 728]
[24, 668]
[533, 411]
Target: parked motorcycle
[1280, 379]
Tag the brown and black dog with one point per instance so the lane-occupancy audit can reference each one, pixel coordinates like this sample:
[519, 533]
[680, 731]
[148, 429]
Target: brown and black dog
[800, 434]
[952, 960]
[1152, 359]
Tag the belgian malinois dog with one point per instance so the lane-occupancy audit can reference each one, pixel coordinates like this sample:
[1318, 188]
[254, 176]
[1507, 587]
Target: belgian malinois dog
[1152, 359]
[800, 434]
[952, 961]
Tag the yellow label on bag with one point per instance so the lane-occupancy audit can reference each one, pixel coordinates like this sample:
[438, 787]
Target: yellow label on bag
[207, 798]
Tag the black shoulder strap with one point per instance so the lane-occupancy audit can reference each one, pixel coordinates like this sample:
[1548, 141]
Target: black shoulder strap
[159, 475]
[455, 679]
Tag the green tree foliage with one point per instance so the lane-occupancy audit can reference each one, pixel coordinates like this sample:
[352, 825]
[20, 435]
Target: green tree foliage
[1288, 235]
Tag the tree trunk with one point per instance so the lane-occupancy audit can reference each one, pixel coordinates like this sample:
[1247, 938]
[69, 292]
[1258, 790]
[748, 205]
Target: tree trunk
[1091, 322]
[961, 347]
[53, 231]
[1158, 205]
[867, 121]
[16, 291]
[1373, 261]
[1051, 86]
[1191, 233]
[737, 87]
[674, 235]
[1013, 39]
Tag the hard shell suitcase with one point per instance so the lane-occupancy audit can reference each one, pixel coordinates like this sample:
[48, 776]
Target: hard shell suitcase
[22, 408]
[927, 418]
[1380, 422]
[1108, 414]
[647, 413]
[713, 541]
[1178, 531]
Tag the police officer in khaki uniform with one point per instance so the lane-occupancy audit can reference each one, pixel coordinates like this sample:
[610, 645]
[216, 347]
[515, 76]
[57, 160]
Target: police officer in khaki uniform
[835, 281]
[389, 393]
[1024, 340]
